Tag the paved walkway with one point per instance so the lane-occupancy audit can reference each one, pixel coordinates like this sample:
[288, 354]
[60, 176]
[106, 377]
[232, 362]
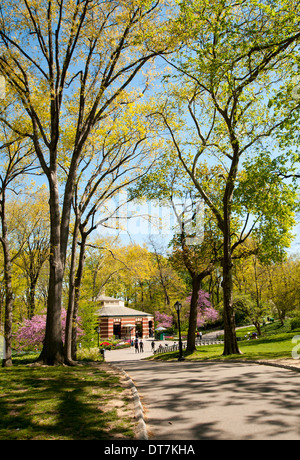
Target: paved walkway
[129, 354]
[214, 400]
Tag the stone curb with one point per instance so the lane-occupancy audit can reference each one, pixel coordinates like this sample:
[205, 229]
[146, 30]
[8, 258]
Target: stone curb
[142, 433]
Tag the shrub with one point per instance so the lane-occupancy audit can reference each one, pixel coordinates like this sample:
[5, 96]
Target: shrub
[91, 354]
[295, 323]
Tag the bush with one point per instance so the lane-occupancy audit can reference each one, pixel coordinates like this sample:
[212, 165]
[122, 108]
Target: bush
[295, 323]
[89, 354]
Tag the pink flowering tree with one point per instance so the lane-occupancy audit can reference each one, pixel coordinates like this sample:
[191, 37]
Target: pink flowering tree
[206, 312]
[163, 320]
[31, 335]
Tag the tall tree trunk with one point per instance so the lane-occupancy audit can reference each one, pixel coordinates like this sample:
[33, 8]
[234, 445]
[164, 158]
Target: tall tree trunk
[71, 299]
[53, 350]
[230, 340]
[78, 279]
[7, 360]
[191, 341]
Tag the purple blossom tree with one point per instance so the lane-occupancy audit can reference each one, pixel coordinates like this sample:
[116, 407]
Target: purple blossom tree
[32, 333]
[206, 312]
[163, 320]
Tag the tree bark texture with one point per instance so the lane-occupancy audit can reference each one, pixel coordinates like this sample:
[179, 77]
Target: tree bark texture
[191, 341]
[78, 279]
[71, 299]
[53, 350]
[230, 340]
[7, 360]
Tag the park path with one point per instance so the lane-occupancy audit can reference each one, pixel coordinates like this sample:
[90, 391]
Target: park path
[214, 400]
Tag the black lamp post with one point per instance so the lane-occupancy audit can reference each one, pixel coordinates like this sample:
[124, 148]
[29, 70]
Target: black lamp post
[178, 308]
[98, 332]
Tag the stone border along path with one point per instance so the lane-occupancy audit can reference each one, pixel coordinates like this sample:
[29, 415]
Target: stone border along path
[129, 354]
[142, 433]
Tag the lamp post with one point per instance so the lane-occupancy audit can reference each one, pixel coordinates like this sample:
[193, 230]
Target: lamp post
[98, 332]
[178, 308]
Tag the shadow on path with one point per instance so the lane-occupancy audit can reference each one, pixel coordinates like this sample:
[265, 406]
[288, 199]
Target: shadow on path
[217, 400]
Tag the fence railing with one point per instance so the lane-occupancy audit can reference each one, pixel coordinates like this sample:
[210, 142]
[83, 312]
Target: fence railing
[209, 341]
[175, 346]
[168, 348]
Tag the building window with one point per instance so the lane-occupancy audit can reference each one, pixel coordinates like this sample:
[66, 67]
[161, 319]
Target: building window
[117, 330]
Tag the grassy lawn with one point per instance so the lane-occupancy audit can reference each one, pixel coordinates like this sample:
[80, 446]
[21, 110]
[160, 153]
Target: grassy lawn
[275, 343]
[64, 403]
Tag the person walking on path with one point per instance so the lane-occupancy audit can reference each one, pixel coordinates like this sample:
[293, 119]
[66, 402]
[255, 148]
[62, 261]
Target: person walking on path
[136, 344]
[153, 346]
[141, 346]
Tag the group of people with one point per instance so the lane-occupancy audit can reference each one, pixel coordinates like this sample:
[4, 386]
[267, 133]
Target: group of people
[139, 345]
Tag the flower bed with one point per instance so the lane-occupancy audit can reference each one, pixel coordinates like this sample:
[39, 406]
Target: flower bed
[113, 345]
